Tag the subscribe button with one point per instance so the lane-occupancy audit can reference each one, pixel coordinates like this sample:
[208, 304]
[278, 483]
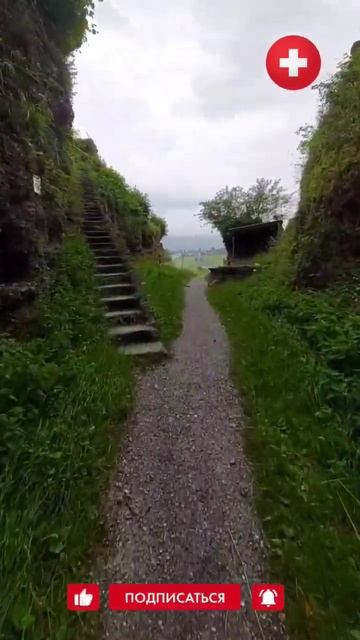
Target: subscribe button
[174, 597]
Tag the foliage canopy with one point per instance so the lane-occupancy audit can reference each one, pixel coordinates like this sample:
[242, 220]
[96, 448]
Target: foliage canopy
[70, 21]
[264, 201]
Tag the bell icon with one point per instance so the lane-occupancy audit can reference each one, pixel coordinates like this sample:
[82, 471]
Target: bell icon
[268, 597]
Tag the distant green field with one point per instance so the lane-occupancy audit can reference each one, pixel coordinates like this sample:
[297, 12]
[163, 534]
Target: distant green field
[190, 262]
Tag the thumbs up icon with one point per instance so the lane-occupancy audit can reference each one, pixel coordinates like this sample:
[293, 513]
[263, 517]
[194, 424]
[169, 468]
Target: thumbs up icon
[81, 597]
[83, 600]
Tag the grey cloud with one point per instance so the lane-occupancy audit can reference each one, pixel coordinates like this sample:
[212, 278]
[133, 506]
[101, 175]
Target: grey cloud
[236, 17]
[168, 200]
[177, 97]
[238, 36]
[108, 17]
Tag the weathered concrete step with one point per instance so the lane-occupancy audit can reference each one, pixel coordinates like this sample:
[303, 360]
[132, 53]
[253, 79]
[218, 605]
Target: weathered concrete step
[91, 240]
[101, 244]
[124, 315]
[133, 333]
[96, 246]
[101, 238]
[106, 260]
[104, 242]
[115, 303]
[97, 234]
[106, 253]
[143, 349]
[113, 278]
[119, 288]
[95, 227]
[109, 268]
[111, 257]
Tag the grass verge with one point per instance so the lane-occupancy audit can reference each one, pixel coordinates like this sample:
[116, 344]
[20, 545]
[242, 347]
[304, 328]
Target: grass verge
[295, 359]
[61, 393]
[164, 286]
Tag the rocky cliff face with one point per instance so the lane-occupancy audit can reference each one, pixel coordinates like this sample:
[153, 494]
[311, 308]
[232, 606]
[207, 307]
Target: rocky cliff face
[35, 116]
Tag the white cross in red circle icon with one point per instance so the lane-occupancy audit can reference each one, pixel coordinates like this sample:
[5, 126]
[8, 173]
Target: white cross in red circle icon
[293, 62]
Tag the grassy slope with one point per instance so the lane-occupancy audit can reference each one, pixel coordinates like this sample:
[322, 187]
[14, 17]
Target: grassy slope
[164, 286]
[61, 393]
[294, 360]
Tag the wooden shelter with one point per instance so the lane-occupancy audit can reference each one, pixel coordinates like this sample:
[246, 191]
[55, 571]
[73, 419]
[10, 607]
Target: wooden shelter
[246, 241]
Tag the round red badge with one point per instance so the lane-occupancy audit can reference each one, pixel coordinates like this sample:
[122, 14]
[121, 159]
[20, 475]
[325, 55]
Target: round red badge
[293, 62]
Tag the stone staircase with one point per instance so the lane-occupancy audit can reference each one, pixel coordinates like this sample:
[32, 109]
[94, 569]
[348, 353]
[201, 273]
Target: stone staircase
[130, 325]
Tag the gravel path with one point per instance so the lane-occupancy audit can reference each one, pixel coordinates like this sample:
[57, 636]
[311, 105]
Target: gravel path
[180, 507]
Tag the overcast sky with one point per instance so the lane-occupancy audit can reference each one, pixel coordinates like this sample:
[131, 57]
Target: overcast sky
[177, 98]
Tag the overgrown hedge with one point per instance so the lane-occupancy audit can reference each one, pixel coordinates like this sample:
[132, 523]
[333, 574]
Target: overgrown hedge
[129, 207]
[328, 238]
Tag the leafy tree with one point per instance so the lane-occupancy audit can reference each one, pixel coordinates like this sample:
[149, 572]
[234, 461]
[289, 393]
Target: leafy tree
[265, 200]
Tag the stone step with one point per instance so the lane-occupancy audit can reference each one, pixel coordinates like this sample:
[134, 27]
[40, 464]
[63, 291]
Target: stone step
[92, 242]
[124, 315]
[99, 230]
[97, 233]
[143, 349]
[109, 261]
[113, 278]
[133, 333]
[130, 325]
[109, 268]
[118, 302]
[93, 231]
[107, 243]
[102, 246]
[119, 288]
[99, 238]
[106, 253]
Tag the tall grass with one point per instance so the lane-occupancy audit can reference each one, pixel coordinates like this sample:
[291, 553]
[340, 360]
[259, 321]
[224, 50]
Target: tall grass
[164, 286]
[62, 392]
[296, 363]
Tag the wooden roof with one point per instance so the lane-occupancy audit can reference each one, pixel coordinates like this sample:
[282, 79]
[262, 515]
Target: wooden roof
[273, 225]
